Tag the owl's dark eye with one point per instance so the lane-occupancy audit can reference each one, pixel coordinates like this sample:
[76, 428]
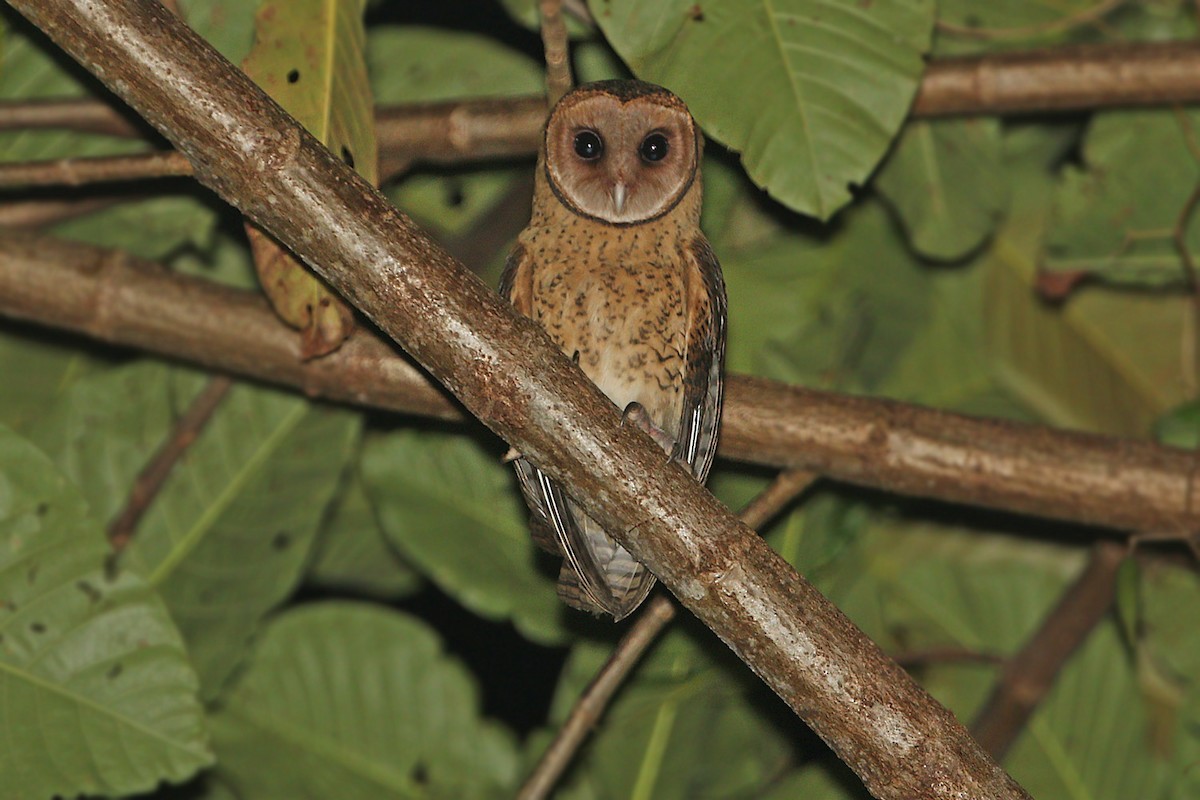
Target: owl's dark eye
[654, 147]
[588, 145]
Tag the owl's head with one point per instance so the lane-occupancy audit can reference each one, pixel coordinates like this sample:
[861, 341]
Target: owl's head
[621, 152]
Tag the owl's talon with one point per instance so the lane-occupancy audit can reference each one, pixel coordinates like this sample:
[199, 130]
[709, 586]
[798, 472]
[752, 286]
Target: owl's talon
[636, 413]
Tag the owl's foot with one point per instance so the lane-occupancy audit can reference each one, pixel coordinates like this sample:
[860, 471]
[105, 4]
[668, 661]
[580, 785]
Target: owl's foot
[636, 413]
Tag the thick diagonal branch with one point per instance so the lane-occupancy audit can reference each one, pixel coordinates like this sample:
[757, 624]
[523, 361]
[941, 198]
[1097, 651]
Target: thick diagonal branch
[506, 371]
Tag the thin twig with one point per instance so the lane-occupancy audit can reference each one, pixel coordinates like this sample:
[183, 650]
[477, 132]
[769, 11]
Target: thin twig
[1028, 676]
[945, 655]
[104, 169]
[29, 215]
[152, 477]
[555, 42]
[590, 706]
[77, 114]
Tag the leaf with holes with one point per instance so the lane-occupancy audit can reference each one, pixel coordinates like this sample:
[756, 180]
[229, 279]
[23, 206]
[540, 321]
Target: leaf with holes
[96, 693]
[309, 55]
[350, 701]
[810, 92]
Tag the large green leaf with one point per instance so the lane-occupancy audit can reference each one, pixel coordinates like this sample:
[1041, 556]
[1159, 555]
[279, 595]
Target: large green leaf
[810, 92]
[96, 693]
[1103, 360]
[947, 183]
[103, 429]
[835, 309]
[353, 553]
[39, 368]
[164, 225]
[454, 511]
[1117, 216]
[350, 701]
[230, 533]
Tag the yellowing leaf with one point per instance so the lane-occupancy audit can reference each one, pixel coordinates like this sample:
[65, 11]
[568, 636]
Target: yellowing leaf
[309, 55]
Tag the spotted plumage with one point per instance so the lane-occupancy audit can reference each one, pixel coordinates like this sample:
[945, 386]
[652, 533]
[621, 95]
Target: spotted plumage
[613, 265]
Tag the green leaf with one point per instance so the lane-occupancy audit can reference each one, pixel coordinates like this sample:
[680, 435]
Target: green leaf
[46, 364]
[164, 225]
[1116, 217]
[833, 310]
[352, 552]
[454, 511]
[103, 430]
[965, 26]
[412, 65]
[227, 25]
[684, 727]
[350, 701]
[947, 184]
[810, 92]
[96, 693]
[817, 533]
[1105, 360]
[229, 535]
[1077, 747]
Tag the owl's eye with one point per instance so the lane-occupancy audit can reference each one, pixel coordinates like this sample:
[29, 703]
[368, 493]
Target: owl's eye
[588, 145]
[654, 147]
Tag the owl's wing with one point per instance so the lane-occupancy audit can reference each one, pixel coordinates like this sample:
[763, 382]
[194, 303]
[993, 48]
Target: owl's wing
[557, 524]
[705, 361]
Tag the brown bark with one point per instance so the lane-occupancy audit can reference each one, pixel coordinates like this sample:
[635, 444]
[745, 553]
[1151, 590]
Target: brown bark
[1075, 78]
[1030, 674]
[902, 448]
[504, 369]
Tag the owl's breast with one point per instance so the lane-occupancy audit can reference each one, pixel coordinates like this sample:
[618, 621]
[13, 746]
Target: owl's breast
[627, 323]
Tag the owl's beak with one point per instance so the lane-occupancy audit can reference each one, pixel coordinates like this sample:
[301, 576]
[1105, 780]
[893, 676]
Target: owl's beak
[618, 197]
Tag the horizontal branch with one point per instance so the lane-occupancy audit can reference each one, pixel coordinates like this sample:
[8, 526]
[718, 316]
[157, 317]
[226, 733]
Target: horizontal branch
[1070, 78]
[1078, 78]
[871, 442]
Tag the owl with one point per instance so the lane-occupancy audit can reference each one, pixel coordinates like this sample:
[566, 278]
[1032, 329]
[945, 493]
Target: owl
[614, 267]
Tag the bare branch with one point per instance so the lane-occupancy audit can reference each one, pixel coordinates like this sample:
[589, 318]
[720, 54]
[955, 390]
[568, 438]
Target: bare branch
[154, 475]
[27, 215]
[1029, 675]
[1074, 78]
[77, 114]
[555, 42]
[506, 371]
[80, 171]
[901, 448]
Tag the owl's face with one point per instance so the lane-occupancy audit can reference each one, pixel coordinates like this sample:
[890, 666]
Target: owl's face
[621, 151]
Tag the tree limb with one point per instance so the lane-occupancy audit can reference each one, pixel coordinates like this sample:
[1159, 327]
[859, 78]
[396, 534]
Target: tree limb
[897, 447]
[1029, 675]
[505, 370]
